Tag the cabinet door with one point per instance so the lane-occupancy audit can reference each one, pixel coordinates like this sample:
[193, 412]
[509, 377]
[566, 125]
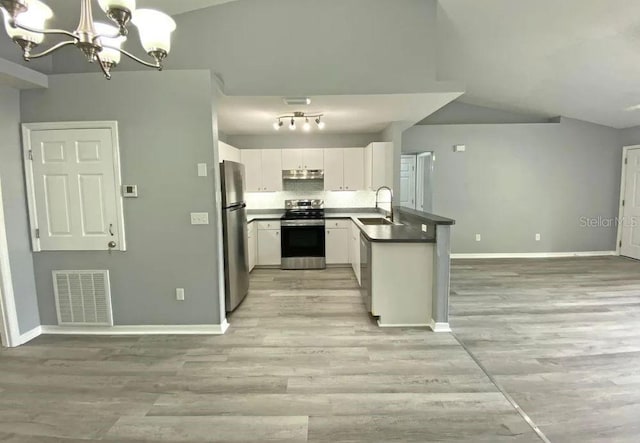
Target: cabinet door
[353, 169]
[381, 165]
[253, 245]
[337, 246]
[292, 159]
[333, 169]
[368, 155]
[313, 158]
[268, 247]
[252, 160]
[355, 250]
[272, 170]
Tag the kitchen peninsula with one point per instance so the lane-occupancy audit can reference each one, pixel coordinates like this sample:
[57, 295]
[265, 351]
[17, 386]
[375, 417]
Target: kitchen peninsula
[403, 271]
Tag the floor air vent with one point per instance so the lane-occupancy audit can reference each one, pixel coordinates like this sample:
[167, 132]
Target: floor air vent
[83, 298]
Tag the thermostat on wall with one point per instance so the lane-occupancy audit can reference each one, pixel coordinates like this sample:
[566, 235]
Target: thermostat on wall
[130, 191]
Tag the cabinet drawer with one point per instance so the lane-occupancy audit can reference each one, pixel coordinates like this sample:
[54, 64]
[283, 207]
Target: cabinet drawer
[337, 223]
[269, 225]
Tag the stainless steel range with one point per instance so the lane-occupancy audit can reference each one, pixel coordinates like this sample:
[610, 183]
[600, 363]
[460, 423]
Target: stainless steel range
[303, 243]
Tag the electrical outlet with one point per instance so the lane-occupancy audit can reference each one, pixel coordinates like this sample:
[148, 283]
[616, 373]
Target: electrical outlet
[424, 228]
[537, 237]
[180, 294]
[478, 237]
[199, 218]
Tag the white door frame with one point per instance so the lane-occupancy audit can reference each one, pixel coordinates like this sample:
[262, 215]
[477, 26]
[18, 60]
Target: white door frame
[623, 178]
[28, 171]
[9, 329]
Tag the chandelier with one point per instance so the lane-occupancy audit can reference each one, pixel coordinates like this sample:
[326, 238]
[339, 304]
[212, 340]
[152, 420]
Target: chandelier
[25, 22]
[291, 118]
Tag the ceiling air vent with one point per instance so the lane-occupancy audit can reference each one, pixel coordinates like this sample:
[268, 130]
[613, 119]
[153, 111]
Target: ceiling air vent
[83, 298]
[297, 101]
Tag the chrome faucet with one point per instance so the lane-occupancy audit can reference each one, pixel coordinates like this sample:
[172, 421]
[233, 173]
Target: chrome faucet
[390, 203]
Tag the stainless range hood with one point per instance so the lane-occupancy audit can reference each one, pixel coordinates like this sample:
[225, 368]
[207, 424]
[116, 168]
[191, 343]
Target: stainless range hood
[303, 174]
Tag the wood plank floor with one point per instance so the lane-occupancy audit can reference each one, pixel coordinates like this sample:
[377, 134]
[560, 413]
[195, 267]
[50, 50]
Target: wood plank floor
[301, 362]
[562, 336]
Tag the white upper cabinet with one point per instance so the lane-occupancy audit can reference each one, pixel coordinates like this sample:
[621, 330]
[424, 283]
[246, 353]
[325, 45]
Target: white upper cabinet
[302, 159]
[252, 160]
[263, 169]
[228, 152]
[353, 169]
[344, 169]
[378, 165]
[333, 169]
[271, 170]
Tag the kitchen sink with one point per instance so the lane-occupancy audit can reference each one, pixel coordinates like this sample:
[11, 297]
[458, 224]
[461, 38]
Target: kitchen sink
[375, 221]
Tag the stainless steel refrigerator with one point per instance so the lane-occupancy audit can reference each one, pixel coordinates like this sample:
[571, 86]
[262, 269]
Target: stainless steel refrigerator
[234, 227]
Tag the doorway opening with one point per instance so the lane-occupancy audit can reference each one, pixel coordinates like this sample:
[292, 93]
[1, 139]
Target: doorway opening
[416, 181]
[629, 218]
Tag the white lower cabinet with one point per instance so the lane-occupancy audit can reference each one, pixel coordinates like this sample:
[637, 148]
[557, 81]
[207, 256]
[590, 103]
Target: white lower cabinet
[337, 242]
[252, 240]
[269, 243]
[354, 243]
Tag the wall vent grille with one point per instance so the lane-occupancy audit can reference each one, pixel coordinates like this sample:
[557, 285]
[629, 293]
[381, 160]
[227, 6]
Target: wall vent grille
[83, 298]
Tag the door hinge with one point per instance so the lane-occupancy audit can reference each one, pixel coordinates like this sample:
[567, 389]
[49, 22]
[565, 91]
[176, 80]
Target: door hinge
[622, 202]
[626, 160]
[31, 154]
[37, 232]
[620, 243]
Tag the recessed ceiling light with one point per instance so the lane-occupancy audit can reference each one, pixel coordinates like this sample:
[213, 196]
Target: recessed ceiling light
[297, 101]
[633, 108]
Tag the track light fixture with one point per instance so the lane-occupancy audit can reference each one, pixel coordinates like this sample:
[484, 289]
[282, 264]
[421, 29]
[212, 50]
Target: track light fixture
[299, 115]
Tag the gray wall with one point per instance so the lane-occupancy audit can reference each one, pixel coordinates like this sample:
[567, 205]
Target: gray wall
[15, 211]
[517, 180]
[286, 141]
[630, 136]
[165, 128]
[302, 47]
[457, 113]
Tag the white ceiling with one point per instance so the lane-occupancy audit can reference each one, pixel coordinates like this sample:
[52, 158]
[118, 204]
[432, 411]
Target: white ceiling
[576, 58]
[342, 113]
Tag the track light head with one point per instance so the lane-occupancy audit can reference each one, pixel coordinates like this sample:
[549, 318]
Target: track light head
[307, 125]
[292, 126]
[277, 125]
[320, 123]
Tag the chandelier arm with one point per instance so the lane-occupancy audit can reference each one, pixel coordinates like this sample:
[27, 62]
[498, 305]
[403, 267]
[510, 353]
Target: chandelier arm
[52, 49]
[156, 65]
[43, 31]
[106, 73]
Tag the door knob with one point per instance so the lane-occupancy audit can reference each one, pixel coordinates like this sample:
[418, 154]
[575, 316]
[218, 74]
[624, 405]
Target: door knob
[111, 244]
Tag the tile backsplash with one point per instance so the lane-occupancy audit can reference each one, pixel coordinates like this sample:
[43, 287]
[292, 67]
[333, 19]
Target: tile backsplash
[298, 189]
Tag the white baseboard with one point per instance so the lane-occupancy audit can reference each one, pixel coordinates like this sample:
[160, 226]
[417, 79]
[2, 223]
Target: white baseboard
[29, 335]
[403, 325]
[137, 330]
[439, 326]
[535, 254]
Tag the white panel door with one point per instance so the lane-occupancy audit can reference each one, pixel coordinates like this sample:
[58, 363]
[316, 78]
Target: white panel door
[333, 169]
[252, 161]
[292, 159]
[272, 170]
[75, 189]
[631, 214]
[353, 169]
[313, 158]
[408, 181]
[337, 246]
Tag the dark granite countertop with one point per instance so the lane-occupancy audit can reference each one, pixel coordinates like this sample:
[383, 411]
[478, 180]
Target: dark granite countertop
[397, 233]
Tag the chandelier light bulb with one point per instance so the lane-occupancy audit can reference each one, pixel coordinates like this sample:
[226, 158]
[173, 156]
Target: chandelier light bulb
[307, 125]
[292, 126]
[35, 17]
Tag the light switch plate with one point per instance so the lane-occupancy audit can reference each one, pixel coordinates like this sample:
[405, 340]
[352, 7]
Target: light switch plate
[180, 294]
[459, 148]
[202, 169]
[478, 237]
[424, 228]
[199, 218]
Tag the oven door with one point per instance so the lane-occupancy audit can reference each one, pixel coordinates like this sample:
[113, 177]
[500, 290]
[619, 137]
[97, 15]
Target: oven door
[303, 244]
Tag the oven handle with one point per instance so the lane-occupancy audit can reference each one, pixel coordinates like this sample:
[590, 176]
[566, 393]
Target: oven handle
[300, 223]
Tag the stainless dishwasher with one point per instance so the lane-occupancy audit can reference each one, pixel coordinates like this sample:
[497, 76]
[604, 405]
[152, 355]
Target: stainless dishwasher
[365, 271]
